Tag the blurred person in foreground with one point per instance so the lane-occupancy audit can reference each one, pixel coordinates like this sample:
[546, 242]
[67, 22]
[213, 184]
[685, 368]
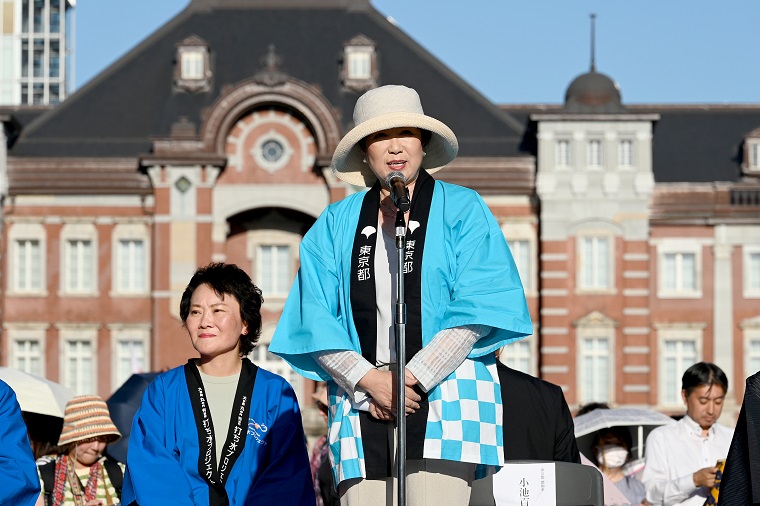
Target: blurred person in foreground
[219, 430]
[740, 485]
[463, 297]
[20, 484]
[681, 458]
[80, 475]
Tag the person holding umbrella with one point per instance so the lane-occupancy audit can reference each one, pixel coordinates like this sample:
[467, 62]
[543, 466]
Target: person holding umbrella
[464, 300]
[80, 475]
[681, 458]
[219, 430]
[20, 483]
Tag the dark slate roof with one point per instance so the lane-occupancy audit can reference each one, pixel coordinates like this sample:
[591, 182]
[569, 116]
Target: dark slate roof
[18, 117]
[118, 112]
[698, 143]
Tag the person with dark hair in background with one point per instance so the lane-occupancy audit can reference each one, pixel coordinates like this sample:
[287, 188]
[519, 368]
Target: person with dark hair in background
[219, 430]
[681, 458]
[740, 485]
[537, 421]
[591, 406]
[610, 451]
[537, 424]
[21, 486]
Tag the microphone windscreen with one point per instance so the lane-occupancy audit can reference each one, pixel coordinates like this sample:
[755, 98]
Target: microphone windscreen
[395, 174]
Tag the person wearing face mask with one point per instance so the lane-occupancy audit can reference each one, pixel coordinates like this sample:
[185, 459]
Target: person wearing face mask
[681, 458]
[81, 475]
[611, 450]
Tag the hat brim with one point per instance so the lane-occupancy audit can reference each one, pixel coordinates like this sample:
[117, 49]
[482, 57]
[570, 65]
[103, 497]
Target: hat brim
[347, 162]
[109, 435]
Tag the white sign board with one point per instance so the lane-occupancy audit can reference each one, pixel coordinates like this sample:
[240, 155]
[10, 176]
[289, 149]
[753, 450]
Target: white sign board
[528, 484]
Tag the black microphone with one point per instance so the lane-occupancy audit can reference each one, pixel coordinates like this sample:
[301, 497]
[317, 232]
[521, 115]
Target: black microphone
[399, 194]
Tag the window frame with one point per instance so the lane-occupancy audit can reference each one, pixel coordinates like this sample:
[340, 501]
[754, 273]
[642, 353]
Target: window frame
[750, 291]
[530, 341]
[524, 232]
[85, 232]
[130, 232]
[622, 161]
[683, 332]
[750, 333]
[26, 232]
[580, 281]
[679, 247]
[595, 326]
[193, 47]
[133, 333]
[27, 332]
[366, 47]
[78, 333]
[591, 153]
[559, 153]
[273, 237]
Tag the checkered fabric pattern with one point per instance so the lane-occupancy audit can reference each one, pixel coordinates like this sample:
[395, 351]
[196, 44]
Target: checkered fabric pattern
[464, 422]
[344, 436]
[465, 417]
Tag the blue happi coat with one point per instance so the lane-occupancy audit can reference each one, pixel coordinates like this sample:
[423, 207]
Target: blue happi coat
[20, 482]
[162, 460]
[468, 277]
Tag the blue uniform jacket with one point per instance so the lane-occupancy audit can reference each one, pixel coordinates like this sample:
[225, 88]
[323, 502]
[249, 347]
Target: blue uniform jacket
[162, 460]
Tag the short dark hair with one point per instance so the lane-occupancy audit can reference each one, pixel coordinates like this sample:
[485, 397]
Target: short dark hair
[703, 373]
[229, 279]
[611, 434]
[591, 406]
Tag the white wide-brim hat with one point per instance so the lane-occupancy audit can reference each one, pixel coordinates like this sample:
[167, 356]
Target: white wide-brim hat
[383, 108]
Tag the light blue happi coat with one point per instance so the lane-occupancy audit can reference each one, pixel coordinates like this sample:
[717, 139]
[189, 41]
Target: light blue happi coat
[468, 277]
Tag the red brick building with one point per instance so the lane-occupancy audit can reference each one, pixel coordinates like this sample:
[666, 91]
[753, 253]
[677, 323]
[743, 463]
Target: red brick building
[636, 228]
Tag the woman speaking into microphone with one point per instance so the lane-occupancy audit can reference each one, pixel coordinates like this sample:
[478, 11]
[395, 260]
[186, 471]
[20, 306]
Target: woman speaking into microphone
[463, 296]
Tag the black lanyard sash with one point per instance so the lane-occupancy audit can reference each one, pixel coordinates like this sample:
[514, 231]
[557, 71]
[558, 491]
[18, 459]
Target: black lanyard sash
[216, 475]
[377, 449]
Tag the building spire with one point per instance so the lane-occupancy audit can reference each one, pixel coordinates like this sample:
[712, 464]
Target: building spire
[593, 42]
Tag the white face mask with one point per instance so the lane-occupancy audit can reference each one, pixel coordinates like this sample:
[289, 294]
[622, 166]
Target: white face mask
[612, 456]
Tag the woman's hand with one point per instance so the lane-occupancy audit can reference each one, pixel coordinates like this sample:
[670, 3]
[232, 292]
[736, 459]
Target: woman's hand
[379, 386]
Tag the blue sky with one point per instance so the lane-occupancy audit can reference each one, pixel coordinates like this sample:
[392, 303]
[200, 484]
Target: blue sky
[524, 51]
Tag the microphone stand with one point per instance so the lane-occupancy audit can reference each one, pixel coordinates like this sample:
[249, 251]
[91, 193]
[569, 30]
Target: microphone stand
[400, 327]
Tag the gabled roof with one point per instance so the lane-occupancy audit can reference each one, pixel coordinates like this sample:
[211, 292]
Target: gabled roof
[134, 100]
[692, 143]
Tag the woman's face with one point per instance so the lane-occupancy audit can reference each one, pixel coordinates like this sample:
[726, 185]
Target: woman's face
[214, 323]
[395, 149]
[89, 453]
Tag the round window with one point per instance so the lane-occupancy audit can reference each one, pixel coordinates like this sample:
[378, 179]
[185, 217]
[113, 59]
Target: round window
[272, 150]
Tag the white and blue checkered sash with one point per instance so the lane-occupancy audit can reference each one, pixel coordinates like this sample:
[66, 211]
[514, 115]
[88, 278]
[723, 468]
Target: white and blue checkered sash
[464, 422]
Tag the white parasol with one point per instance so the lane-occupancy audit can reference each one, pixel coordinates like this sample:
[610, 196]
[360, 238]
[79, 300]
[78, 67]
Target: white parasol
[36, 394]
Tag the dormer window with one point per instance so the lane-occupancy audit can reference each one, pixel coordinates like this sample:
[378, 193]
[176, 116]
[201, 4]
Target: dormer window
[751, 164]
[754, 156]
[359, 72]
[193, 71]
